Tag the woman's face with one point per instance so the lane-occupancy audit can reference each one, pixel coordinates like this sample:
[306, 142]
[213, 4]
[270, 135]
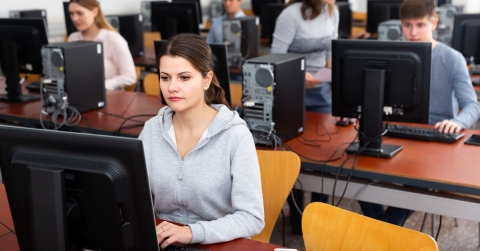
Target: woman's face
[82, 17]
[182, 86]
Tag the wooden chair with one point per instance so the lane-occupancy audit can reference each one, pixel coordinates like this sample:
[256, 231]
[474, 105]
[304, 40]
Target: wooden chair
[279, 170]
[326, 227]
[151, 84]
[149, 37]
[132, 88]
[235, 94]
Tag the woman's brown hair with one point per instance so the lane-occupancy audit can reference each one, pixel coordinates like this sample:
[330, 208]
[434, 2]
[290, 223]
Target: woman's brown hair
[197, 51]
[314, 6]
[100, 19]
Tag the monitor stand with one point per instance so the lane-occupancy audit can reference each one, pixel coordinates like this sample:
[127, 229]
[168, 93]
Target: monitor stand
[9, 62]
[371, 121]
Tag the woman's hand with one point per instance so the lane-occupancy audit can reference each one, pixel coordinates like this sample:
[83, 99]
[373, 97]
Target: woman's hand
[168, 233]
[310, 81]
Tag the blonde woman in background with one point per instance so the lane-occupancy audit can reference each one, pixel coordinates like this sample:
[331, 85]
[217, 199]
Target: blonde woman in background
[92, 26]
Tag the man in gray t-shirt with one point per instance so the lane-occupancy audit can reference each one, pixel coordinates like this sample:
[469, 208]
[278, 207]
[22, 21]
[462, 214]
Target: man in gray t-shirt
[453, 101]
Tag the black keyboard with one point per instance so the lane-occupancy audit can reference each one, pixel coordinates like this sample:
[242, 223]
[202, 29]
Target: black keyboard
[177, 248]
[427, 134]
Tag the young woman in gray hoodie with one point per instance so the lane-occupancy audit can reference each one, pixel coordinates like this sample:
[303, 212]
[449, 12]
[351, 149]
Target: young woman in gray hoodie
[201, 159]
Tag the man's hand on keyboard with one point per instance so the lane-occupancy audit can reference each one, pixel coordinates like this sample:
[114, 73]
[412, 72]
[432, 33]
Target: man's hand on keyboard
[448, 126]
[168, 233]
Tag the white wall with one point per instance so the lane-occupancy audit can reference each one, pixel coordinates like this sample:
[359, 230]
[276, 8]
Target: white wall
[56, 19]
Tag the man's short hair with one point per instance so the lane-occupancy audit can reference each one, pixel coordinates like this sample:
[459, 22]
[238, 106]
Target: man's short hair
[417, 9]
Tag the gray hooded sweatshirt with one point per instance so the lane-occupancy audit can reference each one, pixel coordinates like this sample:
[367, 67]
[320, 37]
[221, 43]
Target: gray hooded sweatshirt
[216, 189]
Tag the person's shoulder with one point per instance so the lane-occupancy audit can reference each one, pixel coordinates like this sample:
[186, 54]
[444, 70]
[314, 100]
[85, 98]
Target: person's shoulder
[448, 53]
[75, 36]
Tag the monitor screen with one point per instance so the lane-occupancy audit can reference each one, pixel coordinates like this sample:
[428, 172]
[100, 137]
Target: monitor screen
[41, 13]
[345, 24]
[381, 10]
[257, 5]
[269, 16]
[370, 77]
[219, 53]
[21, 41]
[199, 14]
[466, 34]
[173, 18]
[71, 191]
[68, 21]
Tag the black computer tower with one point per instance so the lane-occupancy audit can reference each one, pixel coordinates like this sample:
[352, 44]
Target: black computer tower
[242, 38]
[130, 26]
[273, 96]
[75, 70]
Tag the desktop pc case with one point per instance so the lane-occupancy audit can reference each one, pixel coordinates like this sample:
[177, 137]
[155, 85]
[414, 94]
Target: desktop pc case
[273, 96]
[130, 26]
[242, 38]
[75, 70]
[28, 13]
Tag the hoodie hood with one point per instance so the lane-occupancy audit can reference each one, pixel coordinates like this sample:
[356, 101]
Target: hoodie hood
[224, 119]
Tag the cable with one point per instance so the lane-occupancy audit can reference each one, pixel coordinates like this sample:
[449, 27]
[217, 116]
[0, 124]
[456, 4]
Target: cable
[439, 227]
[283, 228]
[117, 132]
[358, 192]
[8, 228]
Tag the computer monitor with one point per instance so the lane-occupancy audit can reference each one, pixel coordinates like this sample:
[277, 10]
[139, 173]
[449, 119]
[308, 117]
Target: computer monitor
[219, 52]
[199, 14]
[175, 17]
[381, 10]
[345, 24]
[269, 16]
[20, 43]
[71, 191]
[370, 77]
[68, 21]
[257, 5]
[442, 2]
[41, 13]
[466, 35]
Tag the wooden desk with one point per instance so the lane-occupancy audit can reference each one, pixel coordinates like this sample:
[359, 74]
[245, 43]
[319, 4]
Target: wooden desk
[8, 241]
[147, 60]
[447, 167]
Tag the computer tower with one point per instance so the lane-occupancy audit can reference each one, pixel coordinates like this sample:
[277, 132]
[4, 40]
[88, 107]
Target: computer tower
[241, 36]
[74, 73]
[273, 96]
[130, 27]
[390, 30]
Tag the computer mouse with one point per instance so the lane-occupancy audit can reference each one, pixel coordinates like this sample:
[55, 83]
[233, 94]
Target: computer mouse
[343, 122]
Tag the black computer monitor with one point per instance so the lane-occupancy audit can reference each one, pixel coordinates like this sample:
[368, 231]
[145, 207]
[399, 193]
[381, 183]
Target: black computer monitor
[199, 14]
[219, 53]
[269, 16]
[345, 24]
[175, 17]
[257, 5]
[381, 10]
[35, 13]
[68, 21]
[371, 76]
[21, 41]
[71, 191]
[442, 2]
[466, 35]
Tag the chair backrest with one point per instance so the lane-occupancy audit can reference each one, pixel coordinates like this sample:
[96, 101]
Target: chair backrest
[131, 88]
[151, 84]
[279, 170]
[326, 227]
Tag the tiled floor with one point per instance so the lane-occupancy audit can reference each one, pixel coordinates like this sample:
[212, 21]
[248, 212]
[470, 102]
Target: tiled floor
[463, 237]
